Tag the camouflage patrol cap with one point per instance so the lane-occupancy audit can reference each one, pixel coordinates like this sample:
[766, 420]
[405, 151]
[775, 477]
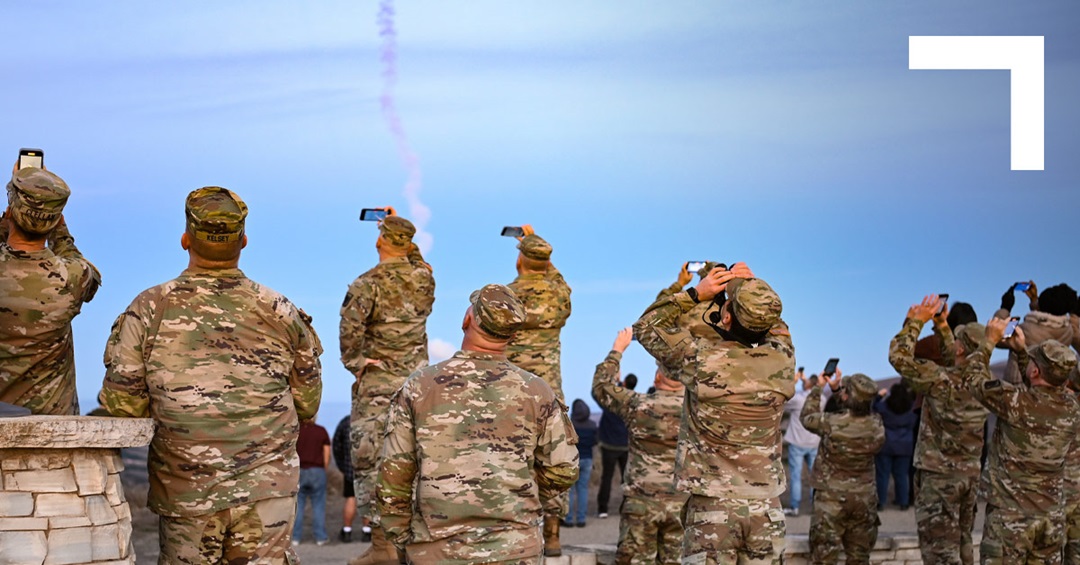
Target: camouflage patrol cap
[754, 303]
[1055, 361]
[215, 214]
[497, 310]
[397, 231]
[36, 199]
[860, 387]
[971, 335]
[534, 247]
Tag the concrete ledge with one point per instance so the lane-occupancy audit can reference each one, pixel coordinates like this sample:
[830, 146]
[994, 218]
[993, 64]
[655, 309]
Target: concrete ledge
[71, 432]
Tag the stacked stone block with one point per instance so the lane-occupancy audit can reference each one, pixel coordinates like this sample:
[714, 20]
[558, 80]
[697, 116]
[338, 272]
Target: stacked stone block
[61, 499]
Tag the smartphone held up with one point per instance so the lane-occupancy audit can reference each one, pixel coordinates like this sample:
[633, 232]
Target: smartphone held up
[830, 367]
[1010, 328]
[373, 214]
[29, 157]
[513, 231]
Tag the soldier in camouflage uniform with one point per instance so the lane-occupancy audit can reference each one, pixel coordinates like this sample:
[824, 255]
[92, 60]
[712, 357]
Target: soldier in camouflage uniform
[1038, 420]
[44, 281]
[1072, 489]
[546, 296]
[651, 529]
[226, 367]
[845, 499]
[536, 347]
[384, 338]
[474, 447]
[950, 435]
[729, 449]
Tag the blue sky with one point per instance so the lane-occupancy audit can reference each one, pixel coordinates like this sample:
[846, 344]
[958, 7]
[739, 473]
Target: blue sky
[634, 136]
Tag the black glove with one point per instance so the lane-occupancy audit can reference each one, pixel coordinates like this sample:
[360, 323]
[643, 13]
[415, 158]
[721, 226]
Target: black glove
[1008, 300]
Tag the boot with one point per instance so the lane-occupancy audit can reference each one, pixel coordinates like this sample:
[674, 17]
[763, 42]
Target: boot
[552, 548]
[381, 552]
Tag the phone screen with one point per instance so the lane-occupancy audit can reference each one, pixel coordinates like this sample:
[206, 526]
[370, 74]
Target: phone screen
[944, 297]
[31, 158]
[372, 215]
[1021, 286]
[513, 231]
[830, 367]
[694, 266]
[1010, 328]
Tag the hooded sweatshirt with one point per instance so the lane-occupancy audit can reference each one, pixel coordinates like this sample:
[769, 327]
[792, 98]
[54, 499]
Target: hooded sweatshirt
[585, 428]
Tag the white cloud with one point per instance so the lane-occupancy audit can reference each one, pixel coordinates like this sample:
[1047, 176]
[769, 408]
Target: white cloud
[440, 350]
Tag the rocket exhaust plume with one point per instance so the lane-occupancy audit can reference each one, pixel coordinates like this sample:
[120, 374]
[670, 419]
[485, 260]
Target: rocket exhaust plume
[419, 213]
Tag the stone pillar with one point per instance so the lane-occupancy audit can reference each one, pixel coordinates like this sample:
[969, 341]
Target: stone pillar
[61, 501]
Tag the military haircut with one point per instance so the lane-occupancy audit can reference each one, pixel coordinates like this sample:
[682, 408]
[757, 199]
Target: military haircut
[858, 407]
[216, 250]
[535, 265]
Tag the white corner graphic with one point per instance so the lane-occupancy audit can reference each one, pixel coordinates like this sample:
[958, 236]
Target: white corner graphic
[1022, 55]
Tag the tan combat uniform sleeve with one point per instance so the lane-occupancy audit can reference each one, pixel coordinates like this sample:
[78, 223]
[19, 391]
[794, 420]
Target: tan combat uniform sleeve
[946, 343]
[556, 456]
[919, 374]
[999, 397]
[659, 333]
[125, 392]
[606, 389]
[86, 278]
[355, 314]
[812, 417]
[305, 379]
[397, 470]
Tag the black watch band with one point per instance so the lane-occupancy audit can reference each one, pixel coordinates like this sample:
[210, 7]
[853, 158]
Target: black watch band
[692, 293]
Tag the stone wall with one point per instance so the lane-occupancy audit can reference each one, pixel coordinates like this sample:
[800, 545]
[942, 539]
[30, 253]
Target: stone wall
[61, 500]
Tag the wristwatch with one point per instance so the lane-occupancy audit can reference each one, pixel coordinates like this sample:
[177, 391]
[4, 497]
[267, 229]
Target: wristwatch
[692, 293]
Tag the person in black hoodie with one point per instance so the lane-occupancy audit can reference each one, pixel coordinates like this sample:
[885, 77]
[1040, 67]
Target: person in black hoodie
[895, 457]
[586, 432]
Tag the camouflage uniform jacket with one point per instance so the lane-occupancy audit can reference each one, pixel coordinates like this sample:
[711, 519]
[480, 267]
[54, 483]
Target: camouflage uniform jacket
[225, 366]
[848, 445]
[535, 347]
[951, 430]
[40, 293]
[1072, 474]
[384, 317]
[474, 445]
[1038, 327]
[653, 421]
[730, 444]
[1036, 427]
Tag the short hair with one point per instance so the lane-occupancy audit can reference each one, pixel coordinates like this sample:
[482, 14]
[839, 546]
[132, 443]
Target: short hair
[534, 264]
[1058, 300]
[630, 381]
[741, 333]
[217, 250]
[961, 313]
[859, 407]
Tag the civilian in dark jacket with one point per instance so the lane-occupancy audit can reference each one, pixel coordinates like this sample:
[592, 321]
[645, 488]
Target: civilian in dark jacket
[586, 432]
[895, 457]
[614, 449]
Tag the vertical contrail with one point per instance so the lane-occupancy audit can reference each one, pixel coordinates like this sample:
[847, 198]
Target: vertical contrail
[418, 212]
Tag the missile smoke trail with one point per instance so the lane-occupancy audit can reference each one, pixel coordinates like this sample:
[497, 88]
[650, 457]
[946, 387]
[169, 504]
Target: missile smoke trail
[419, 213]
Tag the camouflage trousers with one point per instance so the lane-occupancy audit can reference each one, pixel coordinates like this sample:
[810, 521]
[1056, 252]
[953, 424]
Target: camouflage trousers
[842, 521]
[1011, 538]
[250, 533]
[945, 508]
[1072, 530]
[521, 545]
[366, 432]
[733, 530]
[651, 530]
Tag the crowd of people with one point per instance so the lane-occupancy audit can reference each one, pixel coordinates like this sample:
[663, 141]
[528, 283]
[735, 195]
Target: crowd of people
[472, 460]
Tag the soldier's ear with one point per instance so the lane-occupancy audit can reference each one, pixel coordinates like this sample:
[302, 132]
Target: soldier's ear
[243, 242]
[185, 241]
